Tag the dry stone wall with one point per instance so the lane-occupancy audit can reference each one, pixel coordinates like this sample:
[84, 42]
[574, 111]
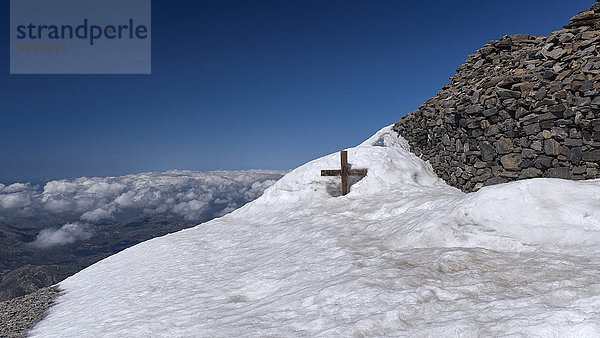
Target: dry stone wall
[521, 107]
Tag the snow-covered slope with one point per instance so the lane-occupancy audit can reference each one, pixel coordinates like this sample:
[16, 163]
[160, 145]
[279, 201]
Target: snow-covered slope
[402, 254]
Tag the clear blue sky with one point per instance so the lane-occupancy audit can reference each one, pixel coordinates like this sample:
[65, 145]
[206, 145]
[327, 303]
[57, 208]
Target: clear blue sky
[251, 84]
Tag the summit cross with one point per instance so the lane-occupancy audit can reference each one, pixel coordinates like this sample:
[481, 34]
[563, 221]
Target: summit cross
[345, 172]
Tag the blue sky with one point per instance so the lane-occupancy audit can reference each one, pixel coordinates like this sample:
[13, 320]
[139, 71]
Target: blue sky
[251, 84]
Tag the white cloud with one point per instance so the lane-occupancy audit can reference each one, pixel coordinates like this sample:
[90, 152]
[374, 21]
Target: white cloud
[16, 187]
[59, 187]
[184, 194]
[58, 205]
[68, 233]
[14, 200]
[106, 212]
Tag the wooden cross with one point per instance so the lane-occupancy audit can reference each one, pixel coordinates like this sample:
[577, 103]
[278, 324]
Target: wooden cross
[344, 172]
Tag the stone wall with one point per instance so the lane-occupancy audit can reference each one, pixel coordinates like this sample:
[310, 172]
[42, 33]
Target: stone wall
[521, 107]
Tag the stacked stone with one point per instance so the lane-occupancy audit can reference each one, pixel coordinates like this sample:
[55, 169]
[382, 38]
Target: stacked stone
[521, 107]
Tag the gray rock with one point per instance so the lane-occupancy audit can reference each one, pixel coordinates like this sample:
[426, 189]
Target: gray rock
[492, 130]
[496, 180]
[487, 151]
[583, 101]
[575, 155]
[532, 129]
[591, 156]
[543, 162]
[520, 112]
[528, 153]
[561, 172]
[557, 109]
[536, 145]
[446, 140]
[588, 85]
[547, 116]
[566, 37]
[506, 93]
[541, 93]
[550, 75]
[511, 161]
[556, 53]
[530, 173]
[527, 163]
[573, 142]
[551, 147]
[559, 133]
[504, 145]
[591, 172]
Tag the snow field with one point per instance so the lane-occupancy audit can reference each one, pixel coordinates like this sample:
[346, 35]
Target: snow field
[403, 254]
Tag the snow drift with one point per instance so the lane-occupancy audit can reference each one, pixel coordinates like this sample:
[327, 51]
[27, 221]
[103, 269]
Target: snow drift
[402, 254]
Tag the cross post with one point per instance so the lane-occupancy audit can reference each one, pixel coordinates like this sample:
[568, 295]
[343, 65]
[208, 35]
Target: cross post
[345, 172]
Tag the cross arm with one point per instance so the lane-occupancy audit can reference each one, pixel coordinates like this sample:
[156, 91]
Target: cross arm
[357, 172]
[331, 172]
[353, 172]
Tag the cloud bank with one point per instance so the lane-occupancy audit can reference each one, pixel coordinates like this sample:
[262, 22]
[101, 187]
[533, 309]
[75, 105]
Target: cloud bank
[68, 233]
[183, 194]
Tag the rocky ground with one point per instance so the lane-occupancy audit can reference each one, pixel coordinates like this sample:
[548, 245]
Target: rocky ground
[18, 315]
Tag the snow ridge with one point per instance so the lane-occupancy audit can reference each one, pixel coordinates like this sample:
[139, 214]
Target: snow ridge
[402, 254]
